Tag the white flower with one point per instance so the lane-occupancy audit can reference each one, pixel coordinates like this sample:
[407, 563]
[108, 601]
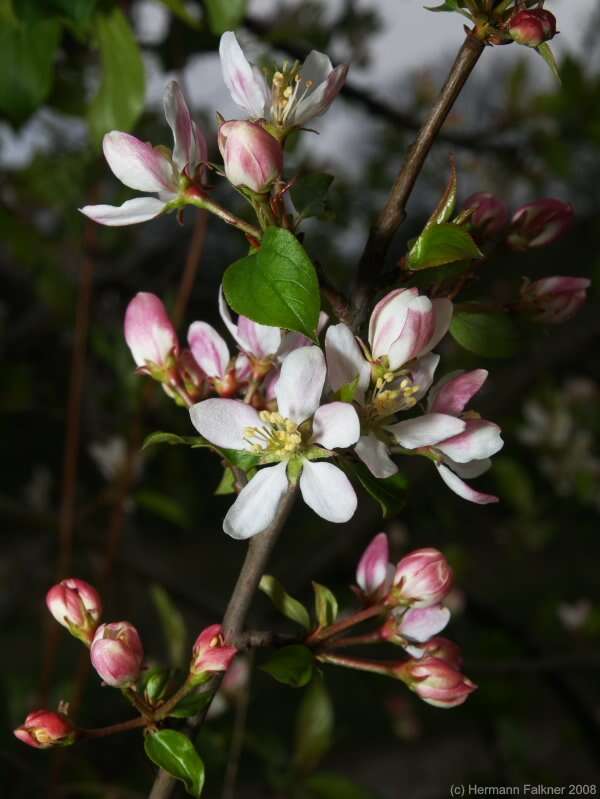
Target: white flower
[296, 435]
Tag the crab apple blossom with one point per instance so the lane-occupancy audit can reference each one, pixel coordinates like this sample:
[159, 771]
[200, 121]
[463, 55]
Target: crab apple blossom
[296, 93]
[210, 654]
[149, 333]
[460, 444]
[533, 27]
[43, 729]
[375, 574]
[539, 223]
[422, 579]
[77, 606]
[435, 681]
[292, 440]
[489, 215]
[416, 624]
[117, 654]
[139, 165]
[252, 158]
[553, 300]
[438, 647]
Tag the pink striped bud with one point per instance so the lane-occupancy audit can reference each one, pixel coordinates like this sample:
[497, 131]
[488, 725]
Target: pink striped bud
[440, 648]
[532, 28]
[423, 578]
[149, 333]
[210, 654]
[43, 729]
[489, 217]
[253, 158]
[540, 223]
[374, 574]
[415, 624]
[553, 300]
[436, 682]
[77, 606]
[117, 653]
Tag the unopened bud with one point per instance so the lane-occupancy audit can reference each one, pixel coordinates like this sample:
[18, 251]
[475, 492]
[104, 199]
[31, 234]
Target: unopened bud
[77, 606]
[540, 223]
[149, 333]
[43, 729]
[436, 682]
[532, 28]
[375, 574]
[489, 215]
[553, 300]
[252, 157]
[210, 654]
[117, 654]
[422, 578]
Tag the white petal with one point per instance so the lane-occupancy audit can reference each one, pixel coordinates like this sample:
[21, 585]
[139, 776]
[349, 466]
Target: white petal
[137, 164]
[327, 490]
[301, 383]
[479, 440]
[259, 340]
[374, 454]
[426, 430]
[246, 85]
[257, 503]
[208, 348]
[223, 422]
[189, 144]
[461, 488]
[442, 311]
[387, 320]
[140, 209]
[226, 316]
[421, 624]
[422, 373]
[336, 425]
[345, 360]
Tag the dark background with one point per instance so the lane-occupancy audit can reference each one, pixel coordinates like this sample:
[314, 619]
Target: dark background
[527, 612]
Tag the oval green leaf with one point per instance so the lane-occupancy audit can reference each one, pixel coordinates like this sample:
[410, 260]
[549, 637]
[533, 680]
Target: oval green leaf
[284, 603]
[174, 752]
[292, 665]
[493, 335]
[442, 244]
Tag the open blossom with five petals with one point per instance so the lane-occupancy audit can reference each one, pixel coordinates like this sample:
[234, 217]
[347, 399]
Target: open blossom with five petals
[156, 170]
[460, 443]
[296, 93]
[293, 439]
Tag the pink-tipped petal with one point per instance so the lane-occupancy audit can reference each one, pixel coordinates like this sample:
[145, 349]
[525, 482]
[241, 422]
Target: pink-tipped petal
[336, 425]
[462, 489]
[301, 383]
[426, 430]
[189, 145]
[372, 568]
[149, 332]
[224, 422]
[132, 212]
[421, 624]
[327, 490]
[442, 314]
[257, 503]
[138, 164]
[387, 320]
[209, 349]
[262, 341]
[416, 332]
[247, 86]
[453, 395]
[480, 440]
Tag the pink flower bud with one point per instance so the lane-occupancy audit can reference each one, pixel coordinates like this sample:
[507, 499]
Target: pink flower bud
[440, 648]
[423, 578]
[77, 606]
[117, 653]
[210, 653]
[532, 28]
[553, 300]
[148, 331]
[44, 728]
[252, 157]
[489, 217]
[415, 624]
[374, 574]
[540, 223]
[436, 682]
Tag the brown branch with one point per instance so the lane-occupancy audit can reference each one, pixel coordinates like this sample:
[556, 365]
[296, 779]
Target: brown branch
[192, 262]
[237, 737]
[394, 211]
[257, 555]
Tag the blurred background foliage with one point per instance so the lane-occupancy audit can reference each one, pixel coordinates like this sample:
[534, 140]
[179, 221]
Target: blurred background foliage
[146, 528]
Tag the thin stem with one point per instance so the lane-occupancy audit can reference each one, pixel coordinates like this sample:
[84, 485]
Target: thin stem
[257, 555]
[350, 621]
[164, 710]
[192, 262]
[237, 738]
[355, 640]
[385, 667]
[394, 211]
[113, 729]
[227, 217]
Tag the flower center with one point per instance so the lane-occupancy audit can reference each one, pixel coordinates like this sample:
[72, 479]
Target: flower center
[279, 435]
[288, 89]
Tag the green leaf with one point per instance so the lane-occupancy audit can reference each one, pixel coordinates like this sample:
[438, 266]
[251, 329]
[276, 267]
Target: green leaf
[292, 665]
[227, 483]
[181, 10]
[163, 506]
[153, 683]
[174, 752]
[445, 207]
[442, 244]
[27, 53]
[225, 15]
[192, 704]
[173, 625]
[173, 439]
[491, 334]
[277, 285]
[314, 726]
[309, 194]
[326, 605]
[327, 785]
[389, 492]
[120, 98]
[546, 52]
[78, 12]
[284, 603]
